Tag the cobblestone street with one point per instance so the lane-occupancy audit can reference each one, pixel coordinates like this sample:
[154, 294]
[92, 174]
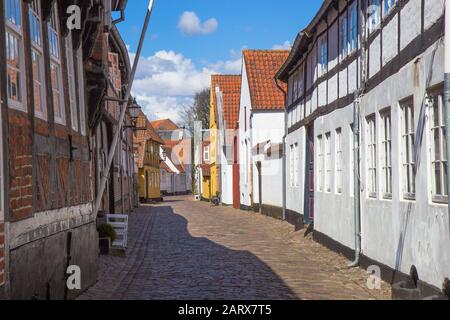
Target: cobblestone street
[183, 249]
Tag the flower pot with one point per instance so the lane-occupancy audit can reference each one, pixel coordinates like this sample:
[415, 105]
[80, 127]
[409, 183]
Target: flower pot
[104, 245]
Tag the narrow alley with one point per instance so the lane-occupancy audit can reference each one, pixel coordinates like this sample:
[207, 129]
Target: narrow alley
[181, 249]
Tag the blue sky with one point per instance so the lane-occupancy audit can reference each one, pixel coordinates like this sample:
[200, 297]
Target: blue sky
[188, 40]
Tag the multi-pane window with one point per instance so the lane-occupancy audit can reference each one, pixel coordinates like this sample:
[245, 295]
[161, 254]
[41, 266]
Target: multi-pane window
[55, 67]
[339, 161]
[71, 78]
[81, 86]
[323, 55]
[388, 5]
[343, 36]
[372, 156]
[292, 165]
[37, 59]
[374, 11]
[14, 54]
[206, 154]
[353, 28]
[320, 163]
[408, 150]
[328, 162]
[386, 158]
[300, 81]
[439, 149]
[295, 85]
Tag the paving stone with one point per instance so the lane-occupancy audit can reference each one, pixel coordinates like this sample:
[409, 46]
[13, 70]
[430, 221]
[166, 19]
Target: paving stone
[182, 249]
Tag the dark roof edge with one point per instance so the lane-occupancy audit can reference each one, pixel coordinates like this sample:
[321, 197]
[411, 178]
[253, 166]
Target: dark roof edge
[300, 41]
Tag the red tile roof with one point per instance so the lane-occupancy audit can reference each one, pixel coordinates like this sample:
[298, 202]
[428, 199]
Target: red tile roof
[164, 125]
[261, 68]
[230, 85]
[149, 133]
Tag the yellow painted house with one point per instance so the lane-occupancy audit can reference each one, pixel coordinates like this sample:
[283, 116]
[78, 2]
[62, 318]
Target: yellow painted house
[148, 145]
[214, 166]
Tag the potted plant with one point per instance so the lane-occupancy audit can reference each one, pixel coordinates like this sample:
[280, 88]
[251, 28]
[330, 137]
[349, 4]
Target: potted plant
[107, 235]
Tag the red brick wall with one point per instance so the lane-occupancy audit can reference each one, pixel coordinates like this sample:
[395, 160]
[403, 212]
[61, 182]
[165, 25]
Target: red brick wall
[2, 253]
[21, 166]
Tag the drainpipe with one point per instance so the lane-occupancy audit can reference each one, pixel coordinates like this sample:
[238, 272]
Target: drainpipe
[357, 183]
[447, 89]
[284, 154]
[356, 140]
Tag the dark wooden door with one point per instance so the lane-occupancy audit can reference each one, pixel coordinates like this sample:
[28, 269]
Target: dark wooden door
[309, 185]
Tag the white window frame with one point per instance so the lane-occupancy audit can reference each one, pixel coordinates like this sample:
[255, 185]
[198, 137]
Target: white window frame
[71, 82]
[81, 92]
[339, 161]
[353, 30]
[206, 154]
[343, 36]
[386, 153]
[371, 143]
[438, 153]
[328, 159]
[323, 54]
[320, 163]
[388, 6]
[17, 32]
[408, 136]
[38, 50]
[374, 15]
[56, 62]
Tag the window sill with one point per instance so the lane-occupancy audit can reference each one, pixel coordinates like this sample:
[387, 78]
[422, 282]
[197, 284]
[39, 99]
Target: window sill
[17, 106]
[440, 200]
[409, 197]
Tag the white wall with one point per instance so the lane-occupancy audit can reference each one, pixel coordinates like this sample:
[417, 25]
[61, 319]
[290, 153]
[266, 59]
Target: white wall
[268, 126]
[295, 200]
[244, 136]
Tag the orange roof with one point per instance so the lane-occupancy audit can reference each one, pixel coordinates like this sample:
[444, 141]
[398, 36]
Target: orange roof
[261, 67]
[164, 125]
[230, 86]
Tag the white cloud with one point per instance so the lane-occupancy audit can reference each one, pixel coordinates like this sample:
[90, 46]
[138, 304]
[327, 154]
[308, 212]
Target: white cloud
[285, 46]
[167, 81]
[190, 24]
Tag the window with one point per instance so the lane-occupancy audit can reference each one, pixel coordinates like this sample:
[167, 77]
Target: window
[81, 86]
[14, 55]
[353, 28]
[339, 161]
[388, 5]
[386, 149]
[71, 82]
[55, 67]
[372, 156]
[323, 54]
[374, 11]
[300, 83]
[37, 59]
[294, 163]
[295, 85]
[328, 162]
[343, 42]
[439, 149]
[320, 163]
[408, 150]
[206, 154]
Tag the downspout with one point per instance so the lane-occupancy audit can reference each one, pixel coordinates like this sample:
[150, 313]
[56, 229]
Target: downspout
[286, 132]
[447, 90]
[356, 141]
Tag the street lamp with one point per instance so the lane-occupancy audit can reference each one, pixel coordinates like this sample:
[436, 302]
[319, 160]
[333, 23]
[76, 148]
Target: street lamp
[135, 111]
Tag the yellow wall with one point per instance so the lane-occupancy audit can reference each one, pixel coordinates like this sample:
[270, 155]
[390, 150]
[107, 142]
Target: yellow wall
[151, 169]
[213, 145]
[206, 188]
[153, 185]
